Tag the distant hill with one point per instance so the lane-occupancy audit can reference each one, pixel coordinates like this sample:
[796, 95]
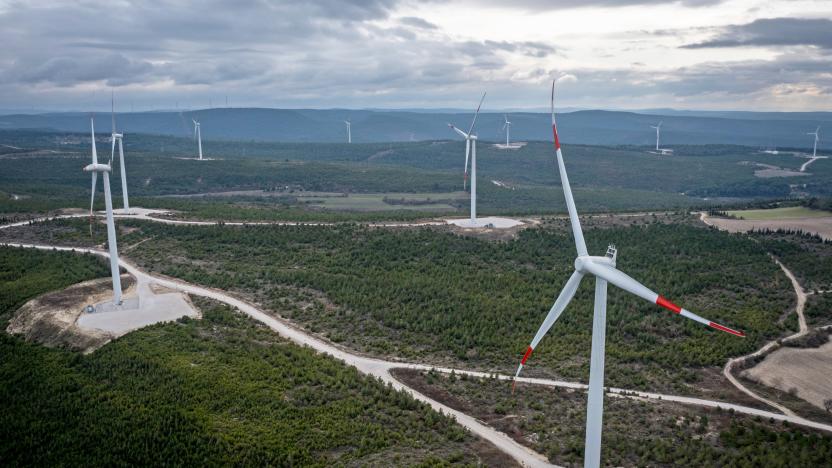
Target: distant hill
[763, 129]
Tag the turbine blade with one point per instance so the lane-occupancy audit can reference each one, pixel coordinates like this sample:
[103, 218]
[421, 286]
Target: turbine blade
[567, 189]
[467, 153]
[625, 282]
[92, 134]
[554, 313]
[476, 113]
[461, 133]
[92, 199]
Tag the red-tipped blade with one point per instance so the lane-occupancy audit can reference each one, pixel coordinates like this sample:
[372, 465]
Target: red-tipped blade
[726, 329]
[663, 302]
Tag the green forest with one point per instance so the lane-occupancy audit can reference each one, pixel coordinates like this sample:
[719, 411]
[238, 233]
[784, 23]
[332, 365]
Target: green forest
[222, 390]
[430, 294]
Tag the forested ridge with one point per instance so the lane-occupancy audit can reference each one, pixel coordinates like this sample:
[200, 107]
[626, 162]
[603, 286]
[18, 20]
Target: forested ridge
[222, 390]
[430, 294]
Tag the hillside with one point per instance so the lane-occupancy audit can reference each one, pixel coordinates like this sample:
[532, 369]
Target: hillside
[579, 127]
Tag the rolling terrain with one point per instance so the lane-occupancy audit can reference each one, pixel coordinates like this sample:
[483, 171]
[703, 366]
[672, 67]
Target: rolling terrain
[594, 127]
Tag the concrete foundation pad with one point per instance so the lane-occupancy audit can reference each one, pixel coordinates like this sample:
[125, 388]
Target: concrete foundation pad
[488, 222]
[136, 312]
[137, 212]
[131, 303]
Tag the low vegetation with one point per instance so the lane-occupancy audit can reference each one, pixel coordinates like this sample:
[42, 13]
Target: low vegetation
[636, 433]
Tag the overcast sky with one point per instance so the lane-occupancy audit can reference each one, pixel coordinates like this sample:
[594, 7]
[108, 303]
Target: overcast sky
[616, 54]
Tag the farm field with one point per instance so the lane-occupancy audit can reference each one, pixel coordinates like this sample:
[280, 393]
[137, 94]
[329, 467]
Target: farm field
[804, 372]
[790, 212]
[810, 221]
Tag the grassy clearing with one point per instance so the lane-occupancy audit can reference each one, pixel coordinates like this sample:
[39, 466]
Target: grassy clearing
[788, 212]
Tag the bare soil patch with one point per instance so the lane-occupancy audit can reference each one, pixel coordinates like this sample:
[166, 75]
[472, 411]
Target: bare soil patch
[805, 373]
[51, 319]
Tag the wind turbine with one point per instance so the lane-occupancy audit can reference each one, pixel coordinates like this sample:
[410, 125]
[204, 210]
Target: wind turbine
[507, 128]
[349, 132]
[105, 170]
[603, 268]
[119, 136]
[471, 148]
[817, 137]
[198, 137]
[658, 129]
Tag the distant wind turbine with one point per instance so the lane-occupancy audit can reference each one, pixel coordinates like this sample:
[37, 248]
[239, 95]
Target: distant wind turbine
[471, 147]
[349, 131]
[507, 128]
[816, 134]
[119, 137]
[658, 130]
[603, 268]
[198, 137]
[105, 170]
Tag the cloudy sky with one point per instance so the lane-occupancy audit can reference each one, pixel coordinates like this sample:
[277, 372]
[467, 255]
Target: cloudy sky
[615, 54]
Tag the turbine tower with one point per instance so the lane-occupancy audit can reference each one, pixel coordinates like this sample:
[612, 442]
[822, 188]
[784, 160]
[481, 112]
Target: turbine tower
[349, 131]
[603, 268]
[118, 137]
[471, 147]
[817, 138]
[105, 170]
[658, 130]
[198, 137]
[507, 128]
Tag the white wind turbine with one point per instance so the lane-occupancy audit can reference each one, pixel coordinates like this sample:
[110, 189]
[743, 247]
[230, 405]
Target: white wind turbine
[507, 128]
[471, 148]
[118, 137]
[198, 137]
[817, 138]
[658, 130]
[603, 268]
[349, 131]
[105, 170]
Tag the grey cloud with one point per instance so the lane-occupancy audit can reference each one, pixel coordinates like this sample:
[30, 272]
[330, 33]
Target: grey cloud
[529, 48]
[548, 5]
[116, 69]
[773, 32]
[323, 53]
[417, 22]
